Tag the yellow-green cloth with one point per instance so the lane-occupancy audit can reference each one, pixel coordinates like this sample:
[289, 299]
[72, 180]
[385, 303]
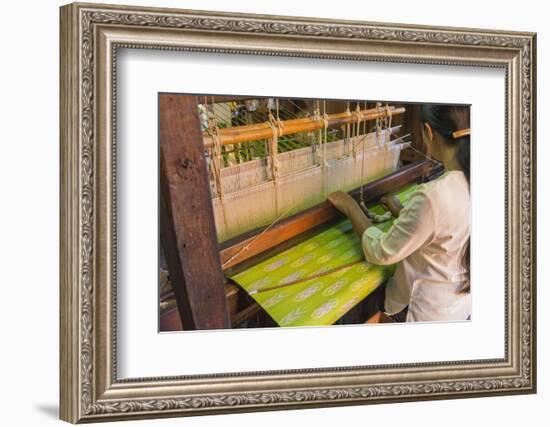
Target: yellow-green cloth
[325, 298]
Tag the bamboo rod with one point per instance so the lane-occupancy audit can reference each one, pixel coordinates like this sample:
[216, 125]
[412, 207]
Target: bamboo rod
[257, 131]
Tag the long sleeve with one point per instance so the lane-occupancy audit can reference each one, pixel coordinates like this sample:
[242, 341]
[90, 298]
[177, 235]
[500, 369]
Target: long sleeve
[411, 230]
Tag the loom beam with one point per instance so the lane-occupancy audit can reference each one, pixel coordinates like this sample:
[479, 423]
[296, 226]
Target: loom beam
[246, 133]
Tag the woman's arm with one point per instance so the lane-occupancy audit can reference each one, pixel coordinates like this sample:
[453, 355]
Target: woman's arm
[414, 227]
[349, 207]
[392, 203]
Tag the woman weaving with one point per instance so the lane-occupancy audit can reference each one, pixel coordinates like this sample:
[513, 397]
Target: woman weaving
[430, 238]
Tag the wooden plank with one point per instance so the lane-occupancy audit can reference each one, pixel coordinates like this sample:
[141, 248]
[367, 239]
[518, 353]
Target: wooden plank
[412, 124]
[281, 247]
[313, 217]
[245, 314]
[216, 99]
[187, 225]
[253, 132]
[170, 321]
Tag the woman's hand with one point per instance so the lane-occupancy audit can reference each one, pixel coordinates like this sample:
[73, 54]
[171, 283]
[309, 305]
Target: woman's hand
[341, 201]
[392, 203]
[350, 208]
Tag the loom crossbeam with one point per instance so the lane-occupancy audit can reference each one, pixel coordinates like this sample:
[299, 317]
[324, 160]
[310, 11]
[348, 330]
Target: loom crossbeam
[254, 132]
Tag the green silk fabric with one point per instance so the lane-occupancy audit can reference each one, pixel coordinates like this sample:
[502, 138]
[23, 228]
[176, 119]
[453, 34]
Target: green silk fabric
[323, 299]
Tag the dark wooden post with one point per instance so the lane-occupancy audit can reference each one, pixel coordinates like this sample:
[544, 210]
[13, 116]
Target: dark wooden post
[187, 224]
[413, 125]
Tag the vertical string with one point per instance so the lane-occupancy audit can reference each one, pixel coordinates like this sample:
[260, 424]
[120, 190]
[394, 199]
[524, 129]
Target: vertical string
[360, 122]
[378, 123]
[212, 130]
[324, 169]
[355, 131]
[348, 128]
[319, 132]
[389, 112]
[386, 124]
[363, 155]
[216, 168]
[365, 130]
[275, 125]
[318, 144]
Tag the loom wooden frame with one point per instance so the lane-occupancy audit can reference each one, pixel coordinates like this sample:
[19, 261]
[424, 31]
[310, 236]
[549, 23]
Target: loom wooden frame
[90, 36]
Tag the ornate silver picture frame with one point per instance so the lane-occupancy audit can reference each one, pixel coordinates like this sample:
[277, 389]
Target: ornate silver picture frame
[90, 37]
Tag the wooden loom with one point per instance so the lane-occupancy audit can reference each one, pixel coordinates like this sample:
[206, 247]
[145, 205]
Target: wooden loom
[197, 263]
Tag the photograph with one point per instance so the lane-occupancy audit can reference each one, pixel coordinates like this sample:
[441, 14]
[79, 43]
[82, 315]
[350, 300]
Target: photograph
[325, 211]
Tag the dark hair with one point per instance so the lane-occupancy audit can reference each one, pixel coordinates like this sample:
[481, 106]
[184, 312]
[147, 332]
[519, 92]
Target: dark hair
[446, 119]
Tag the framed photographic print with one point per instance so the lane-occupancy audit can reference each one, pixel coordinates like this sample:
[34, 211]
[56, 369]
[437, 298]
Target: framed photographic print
[267, 212]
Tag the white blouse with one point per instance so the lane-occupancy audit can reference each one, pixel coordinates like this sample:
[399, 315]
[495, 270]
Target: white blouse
[428, 240]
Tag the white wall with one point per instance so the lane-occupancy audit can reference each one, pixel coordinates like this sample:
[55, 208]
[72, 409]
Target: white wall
[29, 171]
